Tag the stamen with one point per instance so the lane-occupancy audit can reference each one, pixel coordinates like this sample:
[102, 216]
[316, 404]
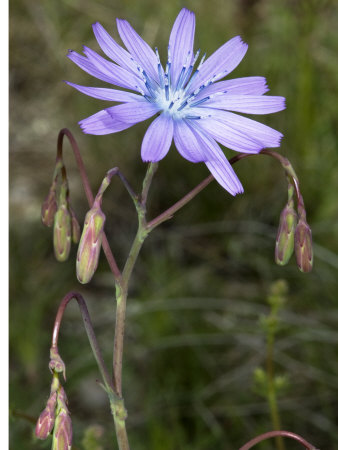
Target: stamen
[196, 71]
[166, 85]
[198, 102]
[191, 67]
[182, 106]
[181, 78]
[192, 117]
[169, 55]
[159, 68]
[148, 82]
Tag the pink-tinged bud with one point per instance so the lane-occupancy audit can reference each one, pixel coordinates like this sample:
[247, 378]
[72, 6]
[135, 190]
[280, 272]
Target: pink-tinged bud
[62, 232]
[49, 207]
[90, 244]
[63, 434]
[45, 423]
[303, 246]
[285, 235]
[76, 230]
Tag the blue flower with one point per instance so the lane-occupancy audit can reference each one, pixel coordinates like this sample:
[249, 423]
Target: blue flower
[192, 106]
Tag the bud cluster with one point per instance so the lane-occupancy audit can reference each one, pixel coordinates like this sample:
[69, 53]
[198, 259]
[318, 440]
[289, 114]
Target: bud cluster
[294, 233]
[55, 418]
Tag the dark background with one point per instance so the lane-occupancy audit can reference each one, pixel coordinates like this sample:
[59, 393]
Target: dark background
[200, 286]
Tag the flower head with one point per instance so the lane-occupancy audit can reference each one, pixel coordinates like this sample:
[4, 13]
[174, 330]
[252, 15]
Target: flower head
[191, 103]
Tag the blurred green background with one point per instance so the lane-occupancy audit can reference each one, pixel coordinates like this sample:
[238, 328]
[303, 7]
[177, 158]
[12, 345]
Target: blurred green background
[193, 336]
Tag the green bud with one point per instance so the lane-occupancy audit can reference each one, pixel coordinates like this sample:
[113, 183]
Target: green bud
[49, 207]
[90, 244]
[62, 233]
[285, 235]
[46, 420]
[303, 246]
[63, 434]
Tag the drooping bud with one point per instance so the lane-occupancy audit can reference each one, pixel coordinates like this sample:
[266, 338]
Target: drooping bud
[285, 235]
[90, 244]
[303, 246]
[62, 228]
[63, 434]
[46, 420]
[49, 207]
[76, 231]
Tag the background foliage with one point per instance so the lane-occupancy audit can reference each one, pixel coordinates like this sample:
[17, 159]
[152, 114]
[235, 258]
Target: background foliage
[193, 337]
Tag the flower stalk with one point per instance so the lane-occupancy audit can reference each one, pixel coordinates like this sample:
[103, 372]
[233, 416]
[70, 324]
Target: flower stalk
[113, 384]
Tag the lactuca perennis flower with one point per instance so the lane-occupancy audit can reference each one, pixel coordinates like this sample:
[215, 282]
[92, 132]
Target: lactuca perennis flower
[192, 107]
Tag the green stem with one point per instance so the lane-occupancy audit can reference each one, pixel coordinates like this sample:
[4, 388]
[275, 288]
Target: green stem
[117, 404]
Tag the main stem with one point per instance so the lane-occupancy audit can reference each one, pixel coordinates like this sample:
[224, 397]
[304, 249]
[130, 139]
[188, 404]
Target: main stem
[118, 409]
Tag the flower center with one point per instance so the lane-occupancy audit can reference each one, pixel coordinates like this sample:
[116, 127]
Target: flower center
[176, 98]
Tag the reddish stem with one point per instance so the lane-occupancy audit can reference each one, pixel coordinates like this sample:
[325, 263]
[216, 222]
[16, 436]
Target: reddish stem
[89, 329]
[168, 214]
[271, 434]
[89, 194]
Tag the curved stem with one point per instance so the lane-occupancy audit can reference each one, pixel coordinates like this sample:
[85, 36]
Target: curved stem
[89, 194]
[168, 214]
[90, 333]
[271, 434]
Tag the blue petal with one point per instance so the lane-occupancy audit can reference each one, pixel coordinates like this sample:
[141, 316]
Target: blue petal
[225, 59]
[241, 86]
[113, 95]
[217, 163]
[133, 112]
[239, 133]
[181, 42]
[119, 75]
[113, 50]
[102, 123]
[249, 104]
[89, 67]
[187, 143]
[157, 140]
[139, 49]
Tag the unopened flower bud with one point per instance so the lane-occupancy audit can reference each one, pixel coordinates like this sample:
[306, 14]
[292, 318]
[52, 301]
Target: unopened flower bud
[56, 363]
[285, 235]
[63, 434]
[62, 232]
[76, 231]
[303, 246]
[49, 207]
[90, 244]
[45, 423]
